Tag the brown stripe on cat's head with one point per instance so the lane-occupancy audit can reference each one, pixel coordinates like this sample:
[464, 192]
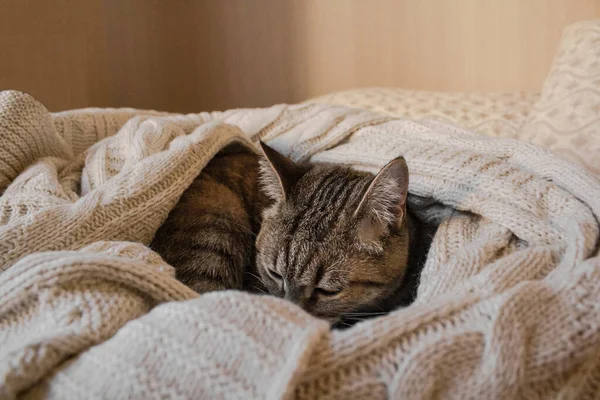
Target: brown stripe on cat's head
[335, 241]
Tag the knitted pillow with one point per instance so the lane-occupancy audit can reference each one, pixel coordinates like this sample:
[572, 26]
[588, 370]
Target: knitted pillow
[566, 118]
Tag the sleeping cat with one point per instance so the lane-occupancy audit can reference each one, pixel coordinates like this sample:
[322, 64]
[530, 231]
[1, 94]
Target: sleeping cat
[337, 242]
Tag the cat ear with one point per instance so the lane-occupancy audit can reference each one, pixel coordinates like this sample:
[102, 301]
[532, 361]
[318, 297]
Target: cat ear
[384, 203]
[277, 173]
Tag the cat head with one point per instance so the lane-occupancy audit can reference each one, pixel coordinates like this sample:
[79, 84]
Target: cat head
[335, 240]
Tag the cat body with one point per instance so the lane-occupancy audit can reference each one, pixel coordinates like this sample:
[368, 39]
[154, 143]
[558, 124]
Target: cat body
[335, 241]
[209, 236]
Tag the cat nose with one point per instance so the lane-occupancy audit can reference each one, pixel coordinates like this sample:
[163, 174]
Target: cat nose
[295, 295]
[291, 294]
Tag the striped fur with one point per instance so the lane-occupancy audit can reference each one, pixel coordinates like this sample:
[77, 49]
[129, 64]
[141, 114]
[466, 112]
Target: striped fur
[209, 236]
[333, 240]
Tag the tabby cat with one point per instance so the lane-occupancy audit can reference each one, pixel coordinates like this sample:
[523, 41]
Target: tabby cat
[337, 242]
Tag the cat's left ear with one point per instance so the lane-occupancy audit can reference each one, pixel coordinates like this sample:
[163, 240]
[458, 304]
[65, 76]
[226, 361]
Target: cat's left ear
[384, 202]
[277, 173]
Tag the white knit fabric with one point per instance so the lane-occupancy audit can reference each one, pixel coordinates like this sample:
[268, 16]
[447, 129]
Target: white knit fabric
[508, 307]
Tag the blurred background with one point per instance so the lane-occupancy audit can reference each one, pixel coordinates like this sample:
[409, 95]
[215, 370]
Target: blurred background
[196, 55]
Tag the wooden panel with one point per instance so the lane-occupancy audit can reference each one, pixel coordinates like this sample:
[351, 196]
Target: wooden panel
[471, 45]
[192, 55]
[197, 55]
[54, 50]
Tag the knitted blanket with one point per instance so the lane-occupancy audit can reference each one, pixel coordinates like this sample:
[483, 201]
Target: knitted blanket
[508, 306]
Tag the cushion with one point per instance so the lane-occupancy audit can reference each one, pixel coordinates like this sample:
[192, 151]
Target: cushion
[566, 118]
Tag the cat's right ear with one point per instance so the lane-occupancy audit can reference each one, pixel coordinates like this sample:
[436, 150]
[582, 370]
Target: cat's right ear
[384, 202]
[277, 173]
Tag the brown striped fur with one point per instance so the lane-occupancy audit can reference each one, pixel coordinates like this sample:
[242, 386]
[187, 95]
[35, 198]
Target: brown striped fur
[333, 240]
[209, 236]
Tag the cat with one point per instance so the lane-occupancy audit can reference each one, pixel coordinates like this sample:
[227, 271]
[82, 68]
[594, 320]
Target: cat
[337, 242]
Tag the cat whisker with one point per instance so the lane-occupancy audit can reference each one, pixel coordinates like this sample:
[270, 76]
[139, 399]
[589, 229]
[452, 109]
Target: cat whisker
[344, 324]
[255, 276]
[363, 314]
[259, 289]
[262, 282]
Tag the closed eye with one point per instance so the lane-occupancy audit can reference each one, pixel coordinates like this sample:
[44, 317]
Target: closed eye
[370, 284]
[326, 292]
[274, 274]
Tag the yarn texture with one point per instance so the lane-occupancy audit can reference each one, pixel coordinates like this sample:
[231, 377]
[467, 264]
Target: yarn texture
[508, 306]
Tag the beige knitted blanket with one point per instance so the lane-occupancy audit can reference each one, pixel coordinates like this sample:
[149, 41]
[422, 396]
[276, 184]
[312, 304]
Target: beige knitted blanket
[508, 307]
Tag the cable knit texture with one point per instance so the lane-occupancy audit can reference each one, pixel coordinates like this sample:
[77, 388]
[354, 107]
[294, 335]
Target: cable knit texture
[508, 306]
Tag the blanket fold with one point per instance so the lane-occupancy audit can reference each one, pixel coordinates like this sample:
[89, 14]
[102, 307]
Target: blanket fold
[508, 305]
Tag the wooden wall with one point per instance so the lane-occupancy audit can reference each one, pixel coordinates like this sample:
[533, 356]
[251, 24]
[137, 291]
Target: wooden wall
[192, 55]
